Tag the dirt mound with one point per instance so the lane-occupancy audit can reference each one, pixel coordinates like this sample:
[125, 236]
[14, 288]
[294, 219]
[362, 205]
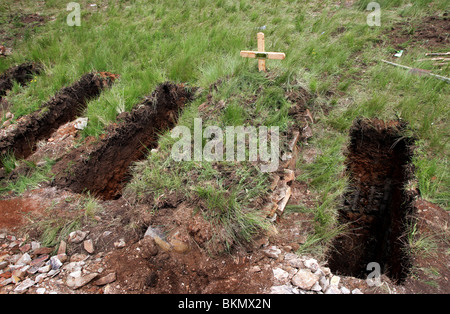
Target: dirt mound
[146, 268]
[102, 167]
[22, 74]
[377, 206]
[20, 139]
[433, 32]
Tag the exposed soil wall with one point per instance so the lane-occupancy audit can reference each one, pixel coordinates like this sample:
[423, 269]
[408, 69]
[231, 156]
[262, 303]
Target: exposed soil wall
[377, 206]
[62, 108]
[22, 74]
[102, 167]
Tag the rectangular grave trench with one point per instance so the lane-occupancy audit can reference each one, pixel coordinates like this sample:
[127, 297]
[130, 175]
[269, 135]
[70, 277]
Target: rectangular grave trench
[376, 207]
[103, 168]
[64, 107]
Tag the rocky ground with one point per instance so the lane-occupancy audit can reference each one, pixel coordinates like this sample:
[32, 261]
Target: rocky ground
[27, 267]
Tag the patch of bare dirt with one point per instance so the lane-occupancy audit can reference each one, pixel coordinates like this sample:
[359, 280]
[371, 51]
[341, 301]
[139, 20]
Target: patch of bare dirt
[432, 32]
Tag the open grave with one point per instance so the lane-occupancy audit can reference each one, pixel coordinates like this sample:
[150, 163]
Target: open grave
[377, 206]
[22, 74]
[20, 139]
[102, 167]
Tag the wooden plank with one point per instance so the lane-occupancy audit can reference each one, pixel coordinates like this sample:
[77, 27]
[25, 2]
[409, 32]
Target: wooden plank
[261, 48]
[269, 55]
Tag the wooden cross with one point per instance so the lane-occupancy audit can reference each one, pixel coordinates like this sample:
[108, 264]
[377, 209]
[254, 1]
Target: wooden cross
[262, 55]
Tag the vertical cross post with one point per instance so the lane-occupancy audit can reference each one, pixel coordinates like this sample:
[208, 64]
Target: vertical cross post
[261, 54]
[261, 48]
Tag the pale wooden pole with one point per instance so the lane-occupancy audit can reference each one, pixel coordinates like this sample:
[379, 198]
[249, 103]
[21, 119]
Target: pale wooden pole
[261, 48]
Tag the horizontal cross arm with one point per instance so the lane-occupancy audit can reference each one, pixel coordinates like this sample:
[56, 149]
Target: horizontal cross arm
[263, 55]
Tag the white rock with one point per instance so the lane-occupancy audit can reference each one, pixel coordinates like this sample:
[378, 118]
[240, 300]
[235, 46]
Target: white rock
[356, 291]
[304, 279]
[40, 291]
[335, 281]
[293, 260]
[333, 290]
[119, 244]
[27, 283]
[77, 236]
[284, 289]
[312, 264]
[24, 260]
[76, 274]
[75, 283]
[324, 283]
[55, 263]
[281, 276]
[344, 290]
[80, 123]
[316, 287]
[272, 252]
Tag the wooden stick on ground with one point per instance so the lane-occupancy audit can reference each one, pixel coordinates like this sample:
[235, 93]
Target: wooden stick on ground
[418, 71]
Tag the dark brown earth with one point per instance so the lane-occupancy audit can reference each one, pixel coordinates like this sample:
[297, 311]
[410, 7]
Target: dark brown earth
[101, 167]
[21, 74]
[376, 208]
[432, 32]
[64, 107]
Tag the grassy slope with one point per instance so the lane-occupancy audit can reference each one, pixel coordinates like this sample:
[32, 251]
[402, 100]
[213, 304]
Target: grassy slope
[198, 42]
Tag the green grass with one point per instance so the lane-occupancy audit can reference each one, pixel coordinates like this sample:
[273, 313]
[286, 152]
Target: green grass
[330, 50]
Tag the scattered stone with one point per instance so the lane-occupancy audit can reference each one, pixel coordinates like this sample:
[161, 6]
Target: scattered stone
[62, 257]
[40, 290]
[106, 279]
[76, 283]
[3, 265]
[43, 251]
[89, 246]
[55, 263]
[35, 245]
[356, 291]
[24, 260]
[119, 244]
[344, 290]
[333, 290]
[281, 276]
[304, 279]
[316, 287]
[25, 248]
[78, 257]
[335, 281]
[22, 287]
[254, 269]
[272, 252]
[293, 260]
[312, 264]
[45, 269]
[77, 236]
[38, 262]
[284, 289]
[62, 247]
[324, 283]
